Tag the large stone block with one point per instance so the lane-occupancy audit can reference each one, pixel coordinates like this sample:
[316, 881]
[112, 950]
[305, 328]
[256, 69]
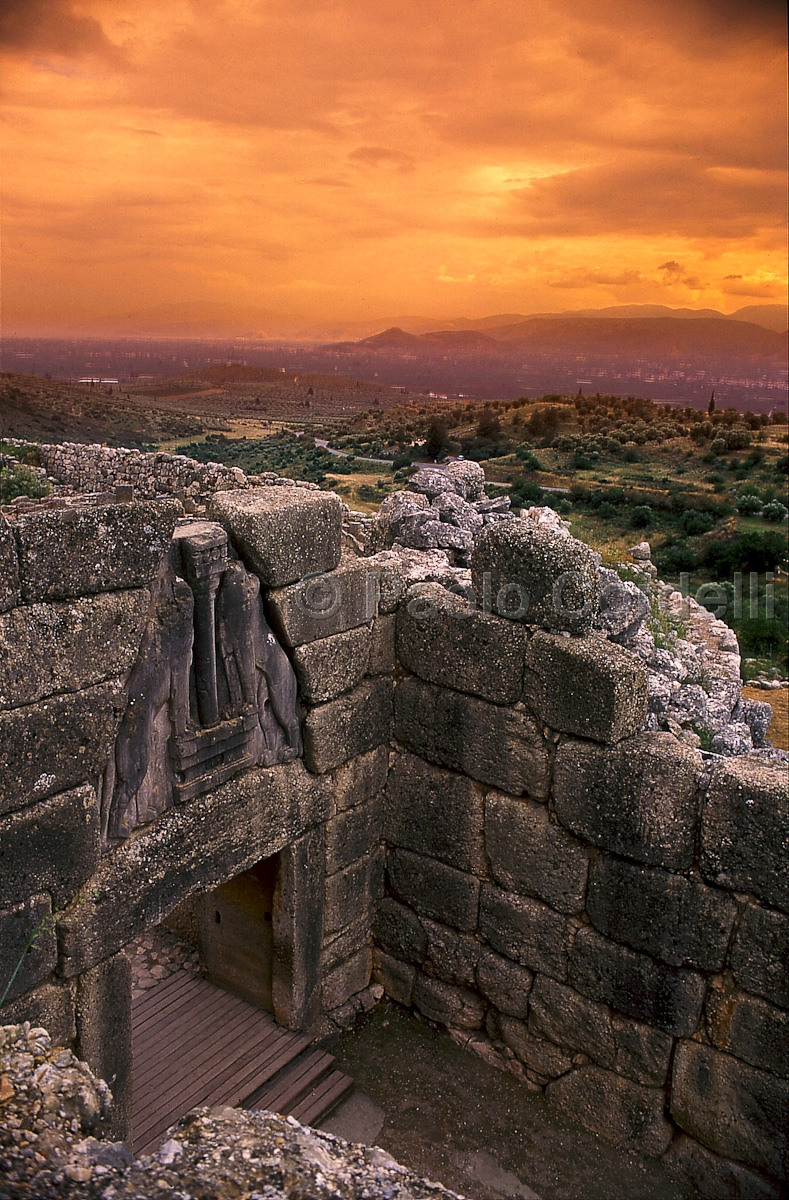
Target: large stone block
[322, 606]
[283, 533]
[339, 946]
[587, 686]
[191, 848]
[53, 846]
[104, 1033]
[669, 998]
[760, 954]
[352, 834]
[450, 956]
[447, 1004]
[51, 648]
[346, 979]
[504, 983]
[750, 1029]
[745, 829]
[679, 920]
[525, 930]
[539, 1054]
[531, 855]
[626, 1047]
[434, 889]
[333, 665]
[637, 798]
[436, 813]
[28, 949]
[383, 655]
[399, 931]
[500, 746]
[529, 574]
[714, 1177]
[56, 744]
[348, 726]
[51, 1005]
[731, 1108]
[297, 927]
[10, 593]
[624, 1113]
[76, 551]
[395, 977]
[441, 639]
[350, 893]
[360, 779]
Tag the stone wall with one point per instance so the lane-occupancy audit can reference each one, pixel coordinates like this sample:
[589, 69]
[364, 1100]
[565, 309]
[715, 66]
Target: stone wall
[479, 823]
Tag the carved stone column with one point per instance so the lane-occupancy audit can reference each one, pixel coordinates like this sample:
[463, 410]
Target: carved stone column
[203, 547]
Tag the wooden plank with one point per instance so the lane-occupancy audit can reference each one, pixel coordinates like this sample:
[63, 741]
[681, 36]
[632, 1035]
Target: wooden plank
[290, 1085]
[204, 1045]
[244, 1084]
[154, 1006]
[166, 990]
[195, 1007]
[320, 1102]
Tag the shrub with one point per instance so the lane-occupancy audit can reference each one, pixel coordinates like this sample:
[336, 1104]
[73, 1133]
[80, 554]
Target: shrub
[775, 511]
[641, 516]
[580, 462]
[631, 455]
[607, 511]
[675, 557]
[564, 506]
[526, 492]
[21, 481]
[694, 523]
[748, 504]
[752, 551]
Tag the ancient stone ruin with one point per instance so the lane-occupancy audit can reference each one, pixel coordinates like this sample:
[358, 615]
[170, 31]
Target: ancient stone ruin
[459, 770]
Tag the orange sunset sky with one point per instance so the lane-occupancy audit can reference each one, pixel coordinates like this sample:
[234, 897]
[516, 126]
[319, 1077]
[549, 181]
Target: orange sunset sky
[347, 159]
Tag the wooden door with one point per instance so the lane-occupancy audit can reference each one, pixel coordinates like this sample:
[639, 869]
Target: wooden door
[236, 937]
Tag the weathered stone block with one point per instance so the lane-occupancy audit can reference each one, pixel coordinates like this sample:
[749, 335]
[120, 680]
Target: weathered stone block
[637, 798]
[436, 813]
[348, 726]
[53, 846]
[51, 1005]
[350, 893]
[667, 997]
[27, 945]
[525, 930]
[56, 744]
[531, 855]
[76, 551]
[395, 977]
[504, 983]
[297, 925]
[104, 1033]
[587, 686]
[283, 533]
[745, 830]
[731, 1108]
[760, 954]
[333, 665]
[191, 848]
[346, 979]
[441, 640]
[536, 1053]
[500, 746]
[10, 593]
[383, 655]
[447, 1004]
[681, 921]
[50, 648]
[450, 956]
[353, 834]
[624, 1113]
[399, 931]
[536, 576]
[750, 1029]
[434, 889]
[321, 606]
[714, 1177]
[626, 1047]
[360, 779]
[346, 943]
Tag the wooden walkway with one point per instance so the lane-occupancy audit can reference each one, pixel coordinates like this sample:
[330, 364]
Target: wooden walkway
[194, 1043]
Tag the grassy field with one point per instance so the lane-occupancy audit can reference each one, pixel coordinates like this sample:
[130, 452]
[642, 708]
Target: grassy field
[778, 733]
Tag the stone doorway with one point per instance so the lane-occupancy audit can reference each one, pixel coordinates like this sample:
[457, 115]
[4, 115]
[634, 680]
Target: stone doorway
[235, 933]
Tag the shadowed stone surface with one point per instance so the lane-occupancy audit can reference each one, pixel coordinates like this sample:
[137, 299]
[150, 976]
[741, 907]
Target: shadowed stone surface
[360, 779]
[104, 1037]
[450, 956]
[531, 855]
[504, 983]
[52, 847]
[349, 893]
[9, 567]
[333, 665]
[436, 813]
[352, 834]
[54, 745]
[447, 1004]
[348, 726]
[284, 533]
[626, 1114]
[666, 997]
[499, 746]
[750, 1029]
[549, 580]
[17, 925]
[681, 921]
[347, 978]
[714, 1177]
[99, 548]
[324, 605]
[399, 930]
[760, 954]
[434, 889]
[732, 1108]
[745, 830]
[441, 641]
[525, 930]
[50, 1005]
[586, 686]
[542, 1056]
[637, 798]
[50, 648]
[396, 977]
[383, 657]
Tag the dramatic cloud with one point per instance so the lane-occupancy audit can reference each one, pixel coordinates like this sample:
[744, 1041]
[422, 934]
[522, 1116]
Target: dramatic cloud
[341, 158]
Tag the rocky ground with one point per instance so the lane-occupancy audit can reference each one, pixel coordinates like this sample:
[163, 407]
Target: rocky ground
[156, 955]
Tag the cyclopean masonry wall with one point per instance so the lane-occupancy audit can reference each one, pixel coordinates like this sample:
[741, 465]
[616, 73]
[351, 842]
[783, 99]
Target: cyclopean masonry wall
[465, 804]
